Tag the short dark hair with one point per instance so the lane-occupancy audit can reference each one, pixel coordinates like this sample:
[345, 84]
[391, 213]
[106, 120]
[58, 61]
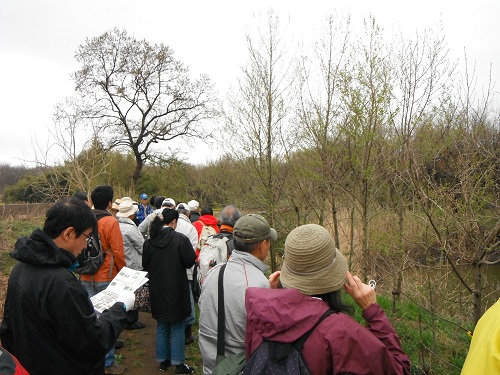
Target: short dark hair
[158, 201]
[81, 195]
[207, 210]
[68, 212]
[229, 215]
[101, 196]
[245, 246]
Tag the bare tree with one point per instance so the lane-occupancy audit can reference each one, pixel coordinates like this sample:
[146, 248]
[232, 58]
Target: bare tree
[366, 92]
[139, 95]
[73, 159]
[458, 187]
[259, 111]
[320, 112]
[423, 78]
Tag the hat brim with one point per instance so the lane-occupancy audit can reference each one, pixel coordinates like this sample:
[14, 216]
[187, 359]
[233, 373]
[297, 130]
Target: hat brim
[132, 211]
[274, 234]
[329, 280]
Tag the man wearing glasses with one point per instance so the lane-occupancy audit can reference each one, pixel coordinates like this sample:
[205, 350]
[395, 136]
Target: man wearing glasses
[49, 322]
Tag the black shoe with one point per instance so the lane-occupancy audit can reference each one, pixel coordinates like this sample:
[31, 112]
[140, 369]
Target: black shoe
[165, 365]
[183, 369]
[118, 344]
[189, 337]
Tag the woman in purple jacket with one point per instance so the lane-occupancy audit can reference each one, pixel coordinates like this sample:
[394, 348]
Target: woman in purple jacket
[312, 275]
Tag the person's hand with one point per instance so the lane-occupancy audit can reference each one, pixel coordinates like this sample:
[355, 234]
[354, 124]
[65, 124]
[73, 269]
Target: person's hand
[127, 298]
[362, 294]
[274, 279]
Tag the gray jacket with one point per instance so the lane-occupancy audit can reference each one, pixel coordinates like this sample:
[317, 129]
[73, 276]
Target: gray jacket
[144, 226]
[132, 243]
[185, 227]
[243, 270]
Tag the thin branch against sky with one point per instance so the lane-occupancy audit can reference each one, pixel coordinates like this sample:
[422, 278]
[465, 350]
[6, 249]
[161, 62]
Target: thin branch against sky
[38, 41]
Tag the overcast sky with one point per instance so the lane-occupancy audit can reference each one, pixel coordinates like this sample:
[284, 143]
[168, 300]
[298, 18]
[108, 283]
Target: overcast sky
[38, 40]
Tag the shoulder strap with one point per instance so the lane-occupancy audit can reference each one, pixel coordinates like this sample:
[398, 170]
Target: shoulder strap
[108, 250]
[221, 314]
[216, 235]
[230, 246]
[111, 262]
[299, 343]
[101, 213]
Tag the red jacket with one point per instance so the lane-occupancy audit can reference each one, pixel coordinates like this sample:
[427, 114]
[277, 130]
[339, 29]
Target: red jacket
[205, 220]
[338, 345]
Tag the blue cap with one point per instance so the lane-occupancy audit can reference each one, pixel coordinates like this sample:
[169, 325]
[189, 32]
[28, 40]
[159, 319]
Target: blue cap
[144, 196]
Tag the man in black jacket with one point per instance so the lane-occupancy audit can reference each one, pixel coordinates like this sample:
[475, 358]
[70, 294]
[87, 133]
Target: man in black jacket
[49, 321]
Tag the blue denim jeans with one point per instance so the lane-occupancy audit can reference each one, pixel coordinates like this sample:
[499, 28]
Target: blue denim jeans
[170, 341]
[191, 318]
[99, 286]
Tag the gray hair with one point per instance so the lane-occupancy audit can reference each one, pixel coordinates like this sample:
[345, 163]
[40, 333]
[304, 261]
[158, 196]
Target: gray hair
[183, 211]
[229, 215]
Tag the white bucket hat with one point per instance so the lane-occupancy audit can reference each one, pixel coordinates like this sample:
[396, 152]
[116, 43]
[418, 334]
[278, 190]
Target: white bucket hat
[126, 208]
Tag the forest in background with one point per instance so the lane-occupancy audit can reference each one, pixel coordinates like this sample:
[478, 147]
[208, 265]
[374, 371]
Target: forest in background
[389, 144]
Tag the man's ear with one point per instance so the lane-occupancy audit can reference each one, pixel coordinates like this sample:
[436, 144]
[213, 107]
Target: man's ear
[68, 233]
[110, 204]
[262, 249]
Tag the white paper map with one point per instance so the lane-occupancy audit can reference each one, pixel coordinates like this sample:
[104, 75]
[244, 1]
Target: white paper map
[127, 279]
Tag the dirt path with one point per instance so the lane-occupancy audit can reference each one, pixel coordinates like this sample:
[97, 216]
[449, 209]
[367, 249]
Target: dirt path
[138, 352]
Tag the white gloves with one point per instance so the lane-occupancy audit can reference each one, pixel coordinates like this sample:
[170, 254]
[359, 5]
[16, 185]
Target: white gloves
[128, 299]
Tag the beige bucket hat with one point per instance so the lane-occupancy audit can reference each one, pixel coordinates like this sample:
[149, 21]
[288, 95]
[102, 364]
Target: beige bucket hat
[312, 264]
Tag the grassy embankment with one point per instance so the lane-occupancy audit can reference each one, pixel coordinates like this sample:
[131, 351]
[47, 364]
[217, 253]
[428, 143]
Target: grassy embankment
[433, 345]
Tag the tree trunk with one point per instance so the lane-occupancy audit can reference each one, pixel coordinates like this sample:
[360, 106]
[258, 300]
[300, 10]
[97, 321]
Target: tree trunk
[399, 276]
[335, 224]
[477, 292]
[364, 218]
[138, 170]
[351, 253]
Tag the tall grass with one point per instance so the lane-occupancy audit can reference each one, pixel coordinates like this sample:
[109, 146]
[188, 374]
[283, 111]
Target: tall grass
[11, 228]
[434, 345]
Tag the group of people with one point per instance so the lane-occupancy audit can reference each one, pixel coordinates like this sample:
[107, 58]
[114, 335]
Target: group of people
[290, 302]
[49, 321]
[50, 324]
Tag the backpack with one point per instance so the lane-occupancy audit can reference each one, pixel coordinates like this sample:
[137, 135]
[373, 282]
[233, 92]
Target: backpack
[273, 357]
[216, 250]
[206, 232]
[92, 257]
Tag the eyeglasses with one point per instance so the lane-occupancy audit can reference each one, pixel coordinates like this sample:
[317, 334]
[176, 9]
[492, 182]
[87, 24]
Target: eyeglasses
[88, 240]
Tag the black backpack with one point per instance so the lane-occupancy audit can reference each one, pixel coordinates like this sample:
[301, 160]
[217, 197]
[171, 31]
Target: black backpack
[272, 357]
[92, 257]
